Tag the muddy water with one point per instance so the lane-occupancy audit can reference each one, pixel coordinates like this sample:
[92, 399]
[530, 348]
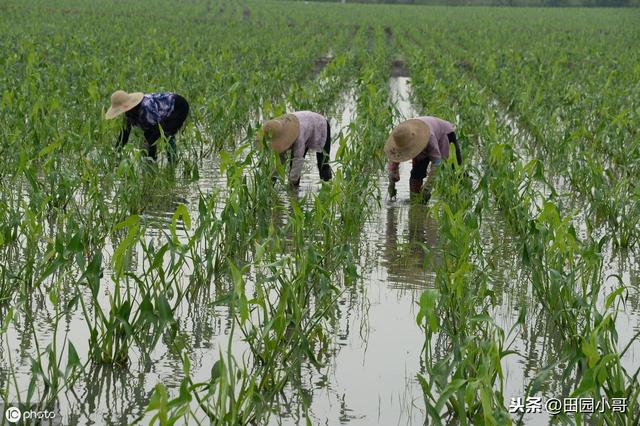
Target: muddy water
[371, 377]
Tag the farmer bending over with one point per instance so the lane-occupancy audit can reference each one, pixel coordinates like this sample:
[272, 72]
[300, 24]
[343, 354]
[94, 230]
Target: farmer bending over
[423, 140]
[298, 133]
[150, 112]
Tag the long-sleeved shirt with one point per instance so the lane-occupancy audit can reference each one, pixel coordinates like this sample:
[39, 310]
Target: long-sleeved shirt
[154, 108]
[312, 137]
[437, 148]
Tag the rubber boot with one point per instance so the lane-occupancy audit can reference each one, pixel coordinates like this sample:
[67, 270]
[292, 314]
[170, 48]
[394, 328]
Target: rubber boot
[326, 173]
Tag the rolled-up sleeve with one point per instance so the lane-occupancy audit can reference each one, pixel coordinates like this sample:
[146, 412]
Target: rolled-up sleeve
[297, 160]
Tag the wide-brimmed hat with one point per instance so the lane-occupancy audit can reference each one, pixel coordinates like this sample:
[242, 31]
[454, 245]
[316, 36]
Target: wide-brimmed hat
[122, 101]
[283, 132]
[407, 140]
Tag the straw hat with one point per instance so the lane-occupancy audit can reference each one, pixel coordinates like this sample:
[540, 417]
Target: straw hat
[283, 131]
[122, 101]
[407, 140]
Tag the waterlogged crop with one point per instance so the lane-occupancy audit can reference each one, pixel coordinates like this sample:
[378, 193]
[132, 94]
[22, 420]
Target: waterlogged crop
[212, 293]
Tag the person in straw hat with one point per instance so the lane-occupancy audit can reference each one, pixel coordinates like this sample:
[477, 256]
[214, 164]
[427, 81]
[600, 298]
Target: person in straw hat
[298, 133]
[423, 140]
[154, 113]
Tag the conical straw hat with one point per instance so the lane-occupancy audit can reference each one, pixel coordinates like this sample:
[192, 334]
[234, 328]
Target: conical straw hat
[283, 132]
[122, 101]
[407, 140]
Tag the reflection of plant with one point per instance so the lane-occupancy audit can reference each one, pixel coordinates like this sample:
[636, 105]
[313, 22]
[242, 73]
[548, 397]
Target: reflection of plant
[467, 380]
[543, 114]
[48, 378]
[565, 271]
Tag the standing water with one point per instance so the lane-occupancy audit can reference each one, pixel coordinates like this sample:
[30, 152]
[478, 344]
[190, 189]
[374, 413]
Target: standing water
[373, 374]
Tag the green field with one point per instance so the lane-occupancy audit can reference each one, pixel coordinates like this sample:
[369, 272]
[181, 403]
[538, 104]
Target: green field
[133, 292]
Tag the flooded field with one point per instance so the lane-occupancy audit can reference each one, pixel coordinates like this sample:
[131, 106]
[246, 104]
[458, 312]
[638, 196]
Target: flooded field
[212, 292]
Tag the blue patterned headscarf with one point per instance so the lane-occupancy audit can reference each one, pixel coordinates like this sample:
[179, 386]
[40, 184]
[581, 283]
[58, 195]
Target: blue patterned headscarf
[156, 107]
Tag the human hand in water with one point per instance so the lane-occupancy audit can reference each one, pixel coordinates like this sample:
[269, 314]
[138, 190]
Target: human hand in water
[392, 190]
[426, 194]
[421, 197]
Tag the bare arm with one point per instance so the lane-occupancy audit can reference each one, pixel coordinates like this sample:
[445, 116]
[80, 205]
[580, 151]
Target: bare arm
[296, 170]
[297, 161]
[432, 172]
[394, 171]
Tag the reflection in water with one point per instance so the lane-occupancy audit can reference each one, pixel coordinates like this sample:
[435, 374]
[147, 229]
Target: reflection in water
[369, 376]
[401, 96]
[106, 391]
[406, 245]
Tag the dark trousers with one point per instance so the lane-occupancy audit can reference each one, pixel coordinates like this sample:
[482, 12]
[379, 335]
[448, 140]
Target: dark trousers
[419, 169]
[170, 127]
[324, 157]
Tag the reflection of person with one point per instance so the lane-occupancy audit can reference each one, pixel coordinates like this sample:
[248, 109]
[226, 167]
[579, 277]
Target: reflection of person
[423, 140]
[409, 266]
[152, 112]
[298, 133]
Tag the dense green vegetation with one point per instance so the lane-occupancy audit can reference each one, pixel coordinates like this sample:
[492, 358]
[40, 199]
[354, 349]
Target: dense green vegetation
[511, 3]
[109, 264]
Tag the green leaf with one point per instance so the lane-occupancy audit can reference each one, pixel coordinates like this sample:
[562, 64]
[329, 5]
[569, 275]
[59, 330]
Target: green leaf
[164, 309]
[73, 360]
[76, 245]
[428, 302]
[183, 214]
[159, 402]
[49, 149]
[590, 351]
[132, 223]
[448, 391]
[157, 259]
[217, 370]
[7, 320]
[587, 383]
[613, 296]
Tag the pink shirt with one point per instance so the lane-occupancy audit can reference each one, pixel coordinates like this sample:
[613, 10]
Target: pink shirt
[438, 145]
[312, 137]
